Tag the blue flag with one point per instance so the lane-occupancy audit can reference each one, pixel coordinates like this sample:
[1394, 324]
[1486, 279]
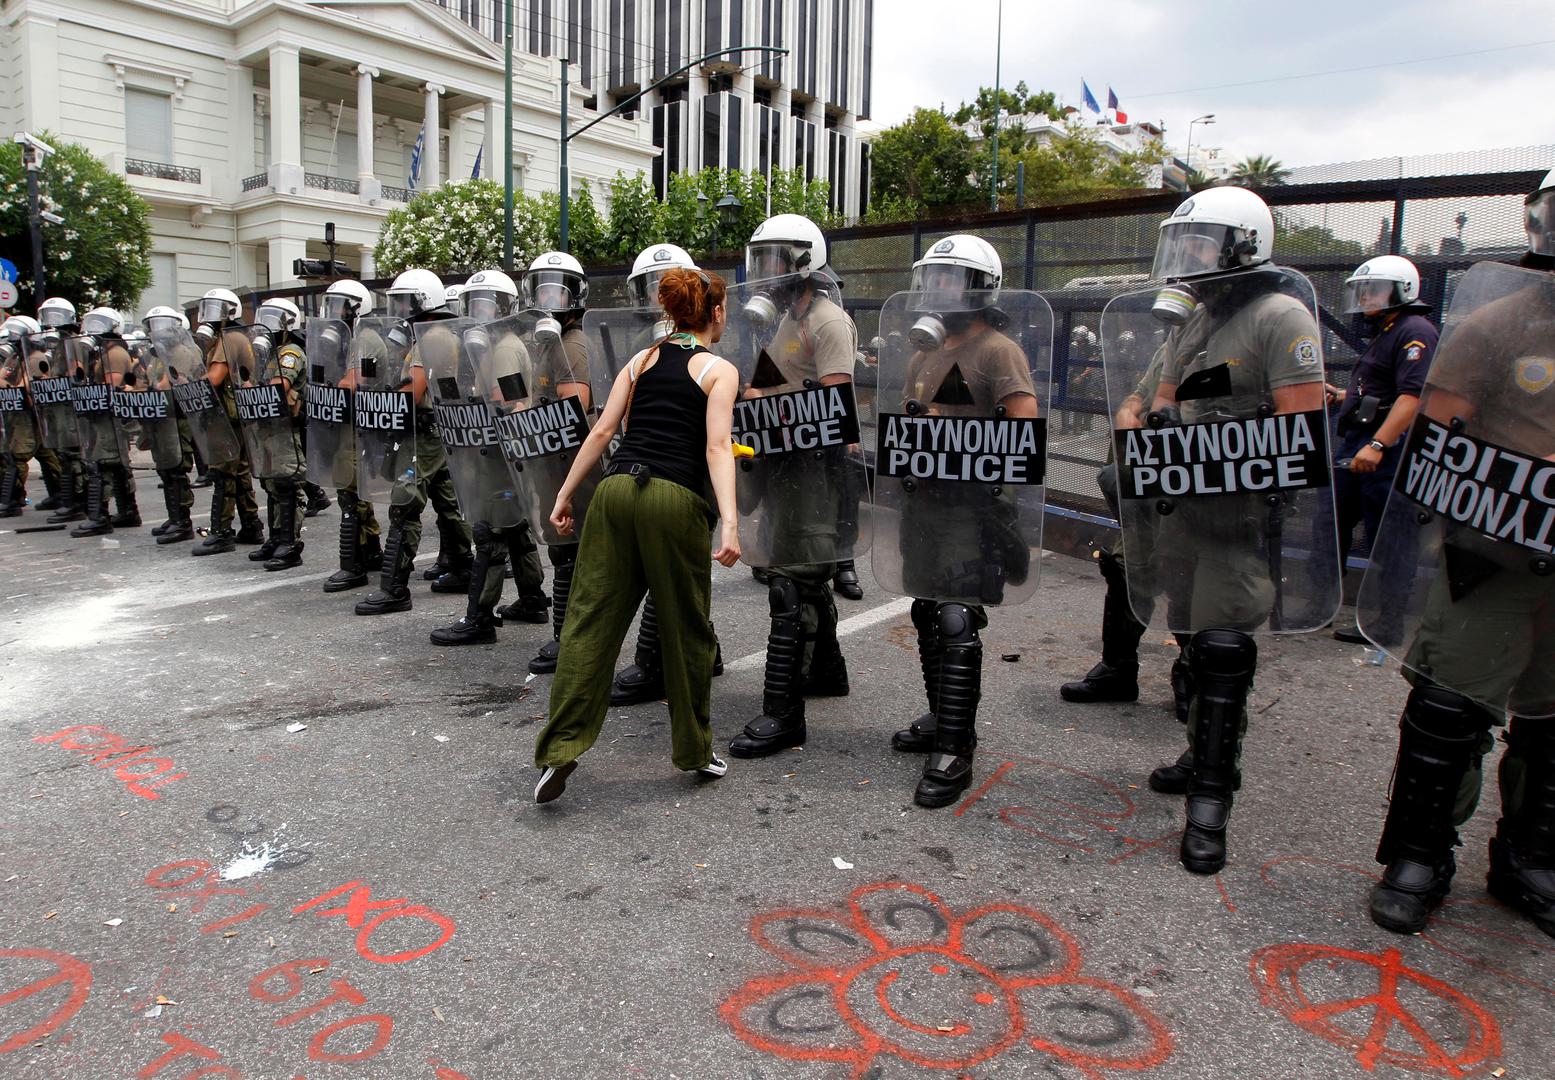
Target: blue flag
[415, 158]
[475, 173]
[1088, 97]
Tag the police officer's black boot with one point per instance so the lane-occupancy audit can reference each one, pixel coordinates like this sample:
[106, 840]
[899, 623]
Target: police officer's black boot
[250, 530]
[532, 605]
[845, 581]
[50, 485]
[394, 580]
[918, 738]
[318, 499]
[479, 624]
[97, 521]
[220, 539]
[272, 540]
[1522, 853]
[827, 675]
[457, 560]
[1116, 677]
[446, 544]
[178, 528]
[287, 530]
[781, 724]
[123, 485]
[353, 562]
[1438, 743]
[10, 506]
[948, 770]
[72, 499]
[563, 560]
[643, 680]
[1223, 663]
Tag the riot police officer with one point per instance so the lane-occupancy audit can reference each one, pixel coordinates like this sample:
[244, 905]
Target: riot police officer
[57, 318]
[1378, 406]
[814, 344]
[272, 370]
[417, 296]
[99, 363]
[172, 450]
[232, 481]
[1475, 637]
[18, 427]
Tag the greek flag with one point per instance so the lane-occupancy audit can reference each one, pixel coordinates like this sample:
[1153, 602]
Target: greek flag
[415, 158]
[475, 173]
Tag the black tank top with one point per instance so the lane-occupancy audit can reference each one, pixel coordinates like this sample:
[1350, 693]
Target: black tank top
[666, 427]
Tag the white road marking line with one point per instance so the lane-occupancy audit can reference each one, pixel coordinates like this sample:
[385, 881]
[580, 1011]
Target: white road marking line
[863, 621]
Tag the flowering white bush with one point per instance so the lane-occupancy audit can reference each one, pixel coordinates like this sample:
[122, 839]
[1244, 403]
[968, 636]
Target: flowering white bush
[457, 229]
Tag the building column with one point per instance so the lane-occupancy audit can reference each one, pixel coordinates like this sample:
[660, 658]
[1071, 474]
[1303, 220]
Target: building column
[849, 200]
[285, 124]
[432, 148]
[745, 94]
[39, 53]
[368, 269]
[815, 113]
[284, 250]
[369, 187]
[783, 101]
[494, 156]
[240, 93]
[696, 93]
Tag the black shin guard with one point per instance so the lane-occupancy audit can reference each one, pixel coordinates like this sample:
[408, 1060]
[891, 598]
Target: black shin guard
[484, 540]
[1522, 853]
[643, 680]
[948, 770]
[918, 738]
[286, 530]
[97, 522]
[563, 559]
[1116, 676]
[781, 724]
[1223, 662]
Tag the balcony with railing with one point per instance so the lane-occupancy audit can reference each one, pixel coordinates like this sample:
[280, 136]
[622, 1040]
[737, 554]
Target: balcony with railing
[255, 182]
[158, 170]
[397, 194]
[330, 183]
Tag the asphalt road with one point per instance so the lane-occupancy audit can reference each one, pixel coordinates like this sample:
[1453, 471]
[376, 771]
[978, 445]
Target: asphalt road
[247, 833]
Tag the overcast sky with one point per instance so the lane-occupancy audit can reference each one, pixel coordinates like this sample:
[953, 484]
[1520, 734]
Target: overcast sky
[1170, 62]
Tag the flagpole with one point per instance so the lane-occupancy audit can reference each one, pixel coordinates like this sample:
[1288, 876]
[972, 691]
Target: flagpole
[998, 56]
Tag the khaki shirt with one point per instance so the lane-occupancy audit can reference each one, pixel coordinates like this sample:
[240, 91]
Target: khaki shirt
[824, 342]
[1269, 342]
[971, 378]
[1502, 360]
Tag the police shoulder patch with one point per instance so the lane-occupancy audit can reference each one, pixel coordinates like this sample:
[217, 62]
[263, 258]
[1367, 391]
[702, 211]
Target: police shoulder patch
[1414, 351]
[1534, 374]
[1305, 350]
[290, 358]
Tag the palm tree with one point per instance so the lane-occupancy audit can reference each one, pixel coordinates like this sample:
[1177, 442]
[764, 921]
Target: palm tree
[1259, 171]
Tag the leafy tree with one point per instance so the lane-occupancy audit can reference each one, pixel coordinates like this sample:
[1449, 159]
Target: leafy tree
[1260, 170]
[586, 233]
[636, 220]
[1292, 236]
[1076, 162]
[1016, 108]
[101, 255]
[457, 229]
[926, 160]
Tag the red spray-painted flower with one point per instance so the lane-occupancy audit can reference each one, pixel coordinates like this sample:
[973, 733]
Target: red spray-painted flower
[897, 979]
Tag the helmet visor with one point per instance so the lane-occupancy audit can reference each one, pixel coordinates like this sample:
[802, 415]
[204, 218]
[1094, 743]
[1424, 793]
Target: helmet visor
[273, 318]
[213, 309]
[339, 306]
[162, 324]
[403, 305]
[944, 287]
[52, 318]
[1368, 296]
[1189, 248]
[552, 290]
[1539, 220]
[484, 304]
[97, 324]
[764, 261]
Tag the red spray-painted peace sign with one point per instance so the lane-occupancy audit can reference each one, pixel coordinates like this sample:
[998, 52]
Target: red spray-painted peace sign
[68, 972]
[1465, 1036]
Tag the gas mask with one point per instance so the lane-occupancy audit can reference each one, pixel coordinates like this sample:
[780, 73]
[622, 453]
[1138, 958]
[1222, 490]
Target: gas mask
[399, 335]
[331, 340]
[263, 347]
[1175, 304]
[548, 332]
[928, 333]
[760, 309]
[204, 334]
[477, 341]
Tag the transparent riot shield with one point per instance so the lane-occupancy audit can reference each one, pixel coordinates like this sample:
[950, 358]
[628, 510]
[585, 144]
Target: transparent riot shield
[1221, 441]
[455, 353]
[961, 447]
[266, 408]
[331, 437]
[1460, 584]
[803, 497]
[543, 404]
[146, 400]
[183, 361]
[91, 396]
[48, 380]
[383, 407]
[16, 417]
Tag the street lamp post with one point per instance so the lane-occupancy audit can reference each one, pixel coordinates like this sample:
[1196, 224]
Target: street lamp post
[998, 57]
[728, 209]
[1207, 118]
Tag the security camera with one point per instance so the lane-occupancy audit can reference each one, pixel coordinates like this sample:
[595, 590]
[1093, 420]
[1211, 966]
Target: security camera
[33, 143]
[52, 219]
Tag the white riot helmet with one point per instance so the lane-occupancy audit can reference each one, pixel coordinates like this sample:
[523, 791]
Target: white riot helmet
[785, 244]
[56, 312]
[1539, 216]
[163, 318]
[19, 325]
[278, 315]
[347, 300]
[1212, 232]
[642, 284]
[555, 282]
[218, 306]
[415, 292]
[103, 321]
[958, 275]
[488, 295]
[1388, 281]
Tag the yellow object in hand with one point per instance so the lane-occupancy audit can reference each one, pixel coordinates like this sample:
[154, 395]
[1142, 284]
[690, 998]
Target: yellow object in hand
[740, 449]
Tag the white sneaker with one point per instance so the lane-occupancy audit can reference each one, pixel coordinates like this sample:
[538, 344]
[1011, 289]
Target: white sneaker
[553, 781]
[714, 769]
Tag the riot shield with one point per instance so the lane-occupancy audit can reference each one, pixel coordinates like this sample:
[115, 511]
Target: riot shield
[264, 409]
[15, 405]
[383, 407]
[48, 380]
[146, 399]
[1221, 444]
[455, 354]
[803, 496]
[536, 393]
[961, 448]
[183, 362]
[91, 396]
[1460, 584]
[331, 438]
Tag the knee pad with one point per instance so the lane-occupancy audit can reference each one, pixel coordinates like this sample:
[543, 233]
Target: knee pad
[481, 533]
[399, 515]
[1224, 654]
[1446, 714]
[957, 626]
[923, 615]
[562, 554]
[783, 597]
